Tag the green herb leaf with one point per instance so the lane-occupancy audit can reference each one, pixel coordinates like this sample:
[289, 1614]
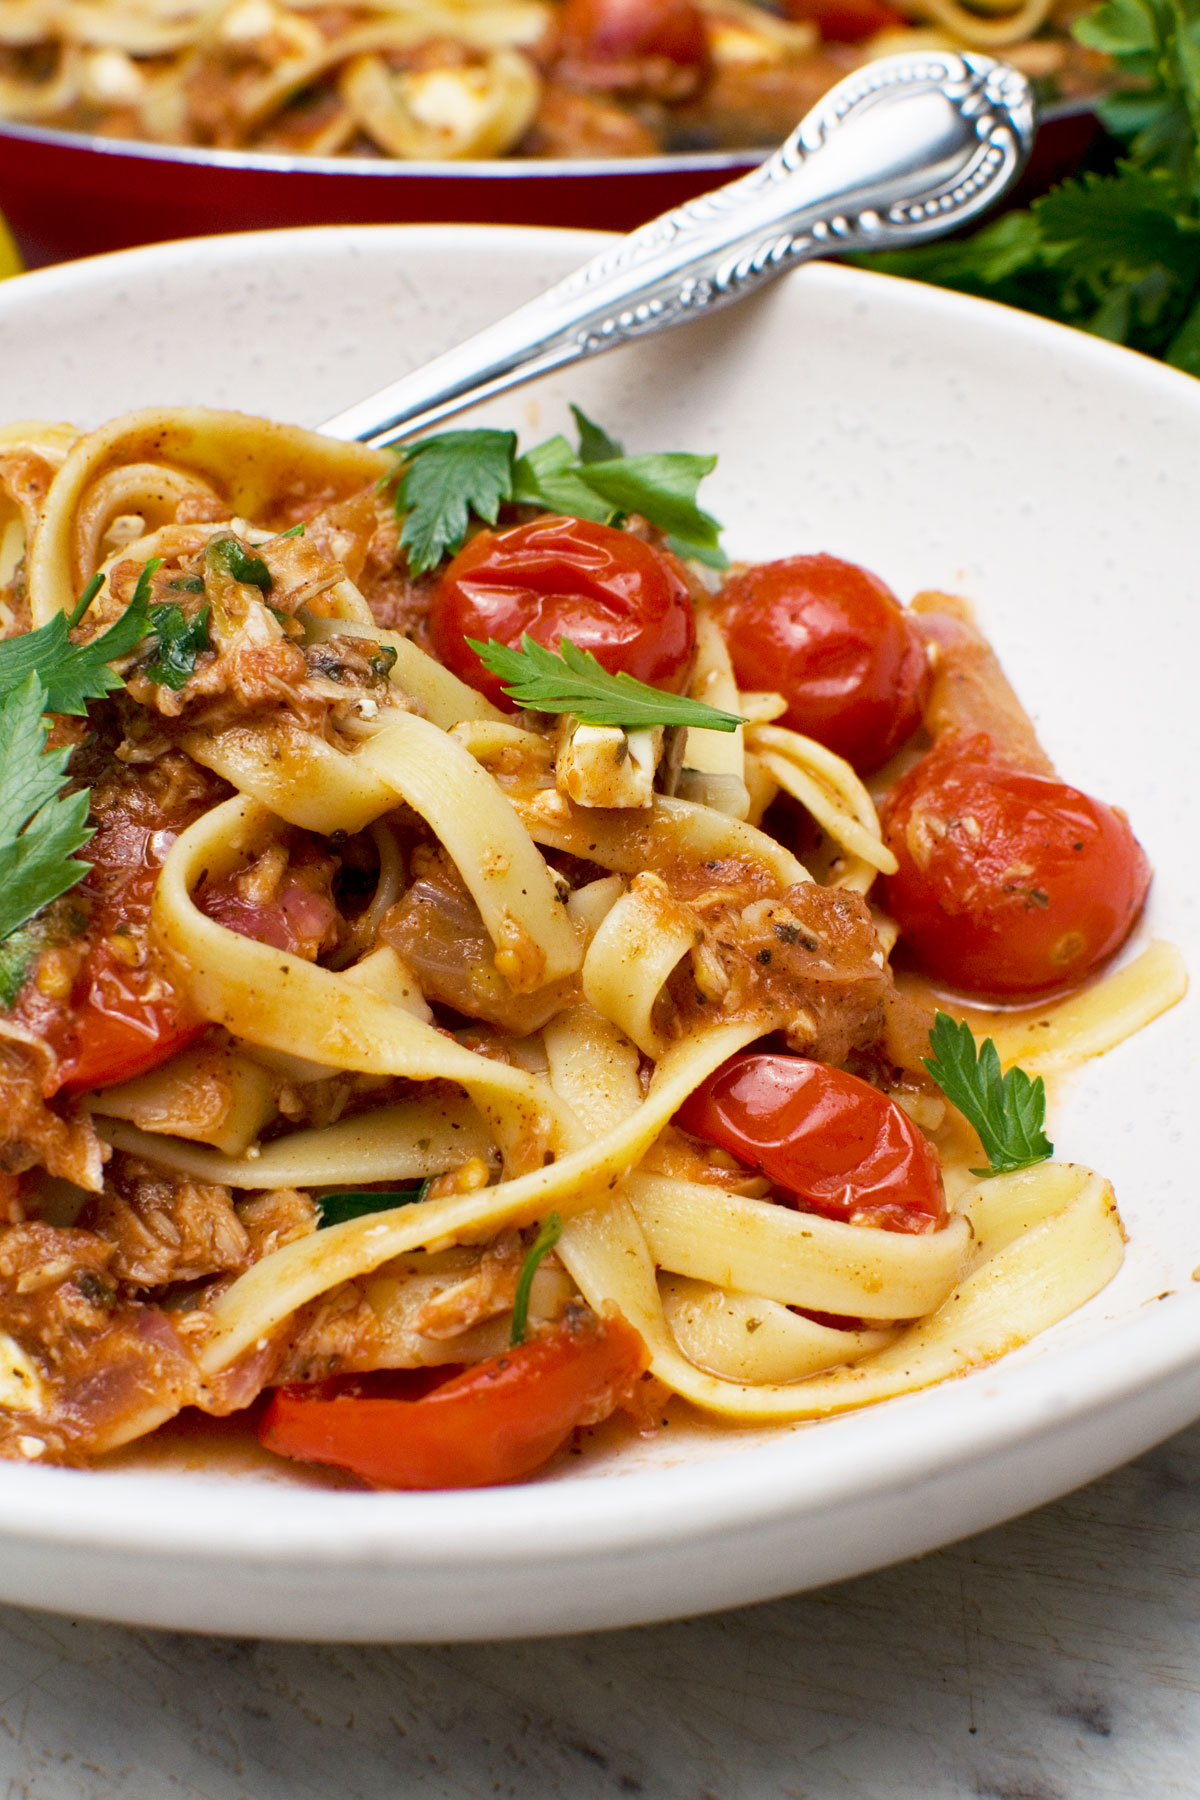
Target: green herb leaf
[1008, 1112]
[447, 479]
[542, 1245]
[72, 674]
[550, 476]
[354, 1203]
[233, 558]
[40, 829]
[595, 445]
[663, 488]
[180, 641]
[570, 680]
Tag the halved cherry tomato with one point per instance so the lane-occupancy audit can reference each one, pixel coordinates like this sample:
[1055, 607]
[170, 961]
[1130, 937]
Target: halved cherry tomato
[1010, 883]
[495, 1422]
[837, 644]
[846, 21]
[123, 1015]
[621, 31]
[829, 1140]
[606, 590]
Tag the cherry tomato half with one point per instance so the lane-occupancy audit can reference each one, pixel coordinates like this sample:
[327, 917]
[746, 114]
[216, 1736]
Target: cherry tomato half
[123, 1016]
[606, 590]
[846, 21]
[837, 644]
[495, 1422]
[829, 1140]
[1010, 883]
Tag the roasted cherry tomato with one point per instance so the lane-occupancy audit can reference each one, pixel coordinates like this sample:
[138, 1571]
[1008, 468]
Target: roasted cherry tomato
[839, 647]
[122, 1016]
[495, 1422]
[847, 21]
[827, 1139]
[606, 590]
[624, 31]
[1010, 883]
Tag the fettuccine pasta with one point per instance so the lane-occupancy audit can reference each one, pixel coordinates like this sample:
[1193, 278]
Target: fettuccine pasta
[373, 979]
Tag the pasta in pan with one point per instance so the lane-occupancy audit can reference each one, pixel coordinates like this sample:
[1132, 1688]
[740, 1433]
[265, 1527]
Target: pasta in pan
[452, 79]
[619, 997]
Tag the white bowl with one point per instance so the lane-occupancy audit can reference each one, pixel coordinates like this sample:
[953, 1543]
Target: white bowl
[944, 443]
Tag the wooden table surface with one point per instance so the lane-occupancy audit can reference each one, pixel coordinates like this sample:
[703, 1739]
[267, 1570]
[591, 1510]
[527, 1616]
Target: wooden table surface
[1056, 1658]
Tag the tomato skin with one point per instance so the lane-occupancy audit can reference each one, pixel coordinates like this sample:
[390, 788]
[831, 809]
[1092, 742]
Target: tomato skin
[836, 643]
[1010, 883]
[496, 1422]
[615, 31]
[846, 21]
[606, 590]
[831, 1141]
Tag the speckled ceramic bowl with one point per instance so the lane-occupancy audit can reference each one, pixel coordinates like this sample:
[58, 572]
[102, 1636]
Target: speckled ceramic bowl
[943, 442]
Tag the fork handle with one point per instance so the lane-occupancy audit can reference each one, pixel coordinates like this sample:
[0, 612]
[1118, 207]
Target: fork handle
[906, 149]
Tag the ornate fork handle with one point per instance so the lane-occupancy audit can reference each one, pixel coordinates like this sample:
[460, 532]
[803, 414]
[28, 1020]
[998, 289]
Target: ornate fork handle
[906, 149]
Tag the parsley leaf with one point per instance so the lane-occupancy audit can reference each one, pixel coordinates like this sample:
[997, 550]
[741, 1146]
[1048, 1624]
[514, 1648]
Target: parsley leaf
[550, 476]
[542, 1245]
[354, 1203]
[40, 829]
[448, 478]
[72, 674]
[1008, 1112]
[663, 489]
[595, 445]
[463, 474]
[570, 680]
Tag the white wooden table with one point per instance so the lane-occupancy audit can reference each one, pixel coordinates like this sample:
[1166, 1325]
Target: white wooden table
[1057, 1658]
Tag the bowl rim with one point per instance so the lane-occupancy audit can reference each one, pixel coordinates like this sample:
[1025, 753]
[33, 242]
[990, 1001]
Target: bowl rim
[865, 1455]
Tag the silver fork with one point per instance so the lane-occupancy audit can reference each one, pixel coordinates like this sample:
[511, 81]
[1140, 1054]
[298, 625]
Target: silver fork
[906, 149]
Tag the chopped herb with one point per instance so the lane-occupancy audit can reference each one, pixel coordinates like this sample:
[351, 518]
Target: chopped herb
[186, 584]
[1008, 1112]
[291, 532]
[383, 661]
[232, 556]
[542, 1245]
[448, 479]
[570, 680]
[459, 475]
[355, 1203]
[180, 641]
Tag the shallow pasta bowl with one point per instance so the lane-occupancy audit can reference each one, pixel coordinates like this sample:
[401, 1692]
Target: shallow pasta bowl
[942, 442]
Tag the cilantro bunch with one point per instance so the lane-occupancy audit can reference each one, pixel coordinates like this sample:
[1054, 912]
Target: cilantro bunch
[1115, 250]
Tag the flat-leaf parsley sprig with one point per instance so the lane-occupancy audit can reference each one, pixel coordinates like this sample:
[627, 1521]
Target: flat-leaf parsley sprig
[43, 672]
[1007, 1111]
[570, 680]
[457, 476]
[72, 674]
